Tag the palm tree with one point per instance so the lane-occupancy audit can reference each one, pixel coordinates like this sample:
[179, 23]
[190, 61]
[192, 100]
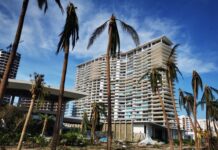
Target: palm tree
[196, 84]
[37, 92]
[84, 123]
[112, 47]
[13, 51]
[171, 74]
[187, 101]
[70, 32]
[155, 79]
[44, 118]
[208, 98]
[97, 110]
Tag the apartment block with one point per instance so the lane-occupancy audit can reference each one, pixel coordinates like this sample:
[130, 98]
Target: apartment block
[185, 123]
[4, 55]
[131, 100]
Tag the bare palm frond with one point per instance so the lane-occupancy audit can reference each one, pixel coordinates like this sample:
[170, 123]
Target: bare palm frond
[173, 50]
[181, 98]
[43, 3]
[143, 77]
[71, 29]
[131, 31]
[60, 5]
[115, 39]
[196, 79]
[214, 89]
[96, 33]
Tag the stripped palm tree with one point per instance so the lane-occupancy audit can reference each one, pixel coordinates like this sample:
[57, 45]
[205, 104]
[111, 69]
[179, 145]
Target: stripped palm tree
[171, 75]
[155, 79]
[98, 109]
[187, 101]
[37, 92]
[196, 84]
[42, 4]
[112, 47]
[84, 123]
[70, 34]
[208, 98]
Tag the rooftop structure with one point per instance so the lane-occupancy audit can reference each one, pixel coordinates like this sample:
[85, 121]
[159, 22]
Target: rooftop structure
[21, 89]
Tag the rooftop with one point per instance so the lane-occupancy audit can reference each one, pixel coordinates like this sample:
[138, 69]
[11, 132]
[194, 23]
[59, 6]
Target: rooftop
[22, 88]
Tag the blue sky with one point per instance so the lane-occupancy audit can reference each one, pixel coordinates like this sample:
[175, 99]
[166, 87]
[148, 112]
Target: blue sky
[192, 23]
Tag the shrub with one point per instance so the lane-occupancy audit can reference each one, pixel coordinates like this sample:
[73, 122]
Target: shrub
[73, 138]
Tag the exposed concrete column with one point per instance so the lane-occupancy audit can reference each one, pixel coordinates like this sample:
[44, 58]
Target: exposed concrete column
[148, 131]
[132, 131]
[62, 116]
[12, 100]
[115, 131]
[119, 130]
[125, 130]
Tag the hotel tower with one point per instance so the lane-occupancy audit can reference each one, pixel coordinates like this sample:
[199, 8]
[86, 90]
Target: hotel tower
[131, 101]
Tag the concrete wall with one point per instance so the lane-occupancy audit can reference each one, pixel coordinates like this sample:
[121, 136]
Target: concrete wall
[121, 130]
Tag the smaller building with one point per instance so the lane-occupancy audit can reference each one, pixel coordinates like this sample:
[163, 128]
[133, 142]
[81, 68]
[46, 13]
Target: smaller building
[185, 123]
[4, 55]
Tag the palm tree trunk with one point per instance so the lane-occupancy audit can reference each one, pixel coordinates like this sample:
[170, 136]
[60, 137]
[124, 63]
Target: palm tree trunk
[56, 132]
[19, 146]
[176, 115]
[93, 129]
[193, 127]
[195, 116]
[215, 128]
[109, 132]
[44, 125]
[166, 121]
[192, 124]
[208, 128]
[13, 52]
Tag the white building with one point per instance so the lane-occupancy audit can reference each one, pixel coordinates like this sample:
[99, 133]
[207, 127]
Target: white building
[185, 123]
[131, 101]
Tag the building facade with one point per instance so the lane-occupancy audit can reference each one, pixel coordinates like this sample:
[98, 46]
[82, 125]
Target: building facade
[185, 123]
[131, 100]
[4, 55]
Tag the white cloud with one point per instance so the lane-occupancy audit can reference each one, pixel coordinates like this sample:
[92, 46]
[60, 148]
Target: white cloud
[187, 61]
[40, 33]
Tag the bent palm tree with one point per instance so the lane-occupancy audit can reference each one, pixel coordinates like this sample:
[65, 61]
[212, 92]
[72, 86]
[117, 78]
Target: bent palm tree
[208, 98]
[37, 92]
[112, 47]
[196, 84]
[155, 79]
[70, 32]
[13, 51]
[171, 75]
